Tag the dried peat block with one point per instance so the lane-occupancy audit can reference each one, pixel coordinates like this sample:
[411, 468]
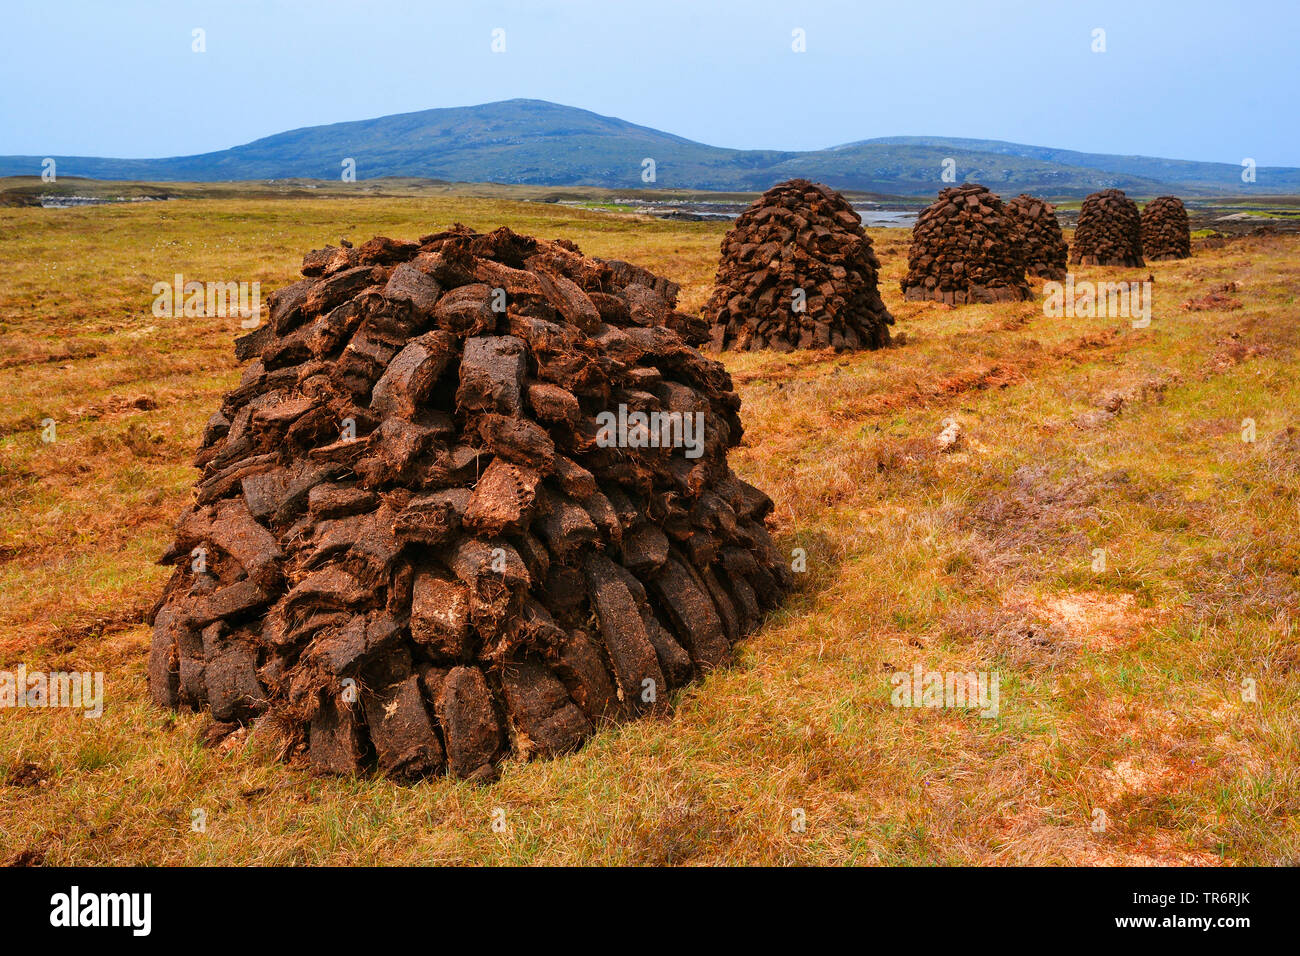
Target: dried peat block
[1166, 233]
[1046, 251]
[1109, 232]
[797, 271]
[966, 248]
[413, 540]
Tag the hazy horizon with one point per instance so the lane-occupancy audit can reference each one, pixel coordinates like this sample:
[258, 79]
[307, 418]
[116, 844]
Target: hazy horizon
[1176, 80]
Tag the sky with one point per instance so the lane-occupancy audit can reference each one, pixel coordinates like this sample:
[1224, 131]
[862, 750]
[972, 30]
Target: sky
[1187, 79]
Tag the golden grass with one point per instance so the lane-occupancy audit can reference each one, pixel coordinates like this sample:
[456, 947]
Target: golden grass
[1120, 690]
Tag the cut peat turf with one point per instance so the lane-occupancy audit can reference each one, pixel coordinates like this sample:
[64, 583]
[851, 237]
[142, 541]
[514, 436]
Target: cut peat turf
[469, 500]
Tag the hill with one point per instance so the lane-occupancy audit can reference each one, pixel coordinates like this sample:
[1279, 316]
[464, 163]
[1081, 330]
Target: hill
[532, 142]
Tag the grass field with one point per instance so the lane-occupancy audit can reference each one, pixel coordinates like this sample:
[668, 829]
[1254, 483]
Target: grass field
[1149, 708]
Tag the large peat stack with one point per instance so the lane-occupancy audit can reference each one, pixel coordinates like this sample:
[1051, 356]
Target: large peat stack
[1109, 232]
[798, 271]
[966, 248]
[1040, 233]
[1166, 233]
[418, 537]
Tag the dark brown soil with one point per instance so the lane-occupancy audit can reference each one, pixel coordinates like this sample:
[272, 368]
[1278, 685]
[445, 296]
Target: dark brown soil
[27, 775]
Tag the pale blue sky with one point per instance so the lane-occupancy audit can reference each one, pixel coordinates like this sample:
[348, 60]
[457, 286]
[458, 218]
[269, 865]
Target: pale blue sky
[1190, 79]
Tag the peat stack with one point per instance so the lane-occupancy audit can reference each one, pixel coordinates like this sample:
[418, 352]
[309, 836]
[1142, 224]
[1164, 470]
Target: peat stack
[966, 248]
[1165, 230]
[1109, 232]
[1044, 244]
[470, 499]
[798, 271]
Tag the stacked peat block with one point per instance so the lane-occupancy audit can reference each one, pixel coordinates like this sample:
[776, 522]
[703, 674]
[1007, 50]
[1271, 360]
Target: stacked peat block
[1166, 233]
[418, 540]
[798, 271]
[966, 248]
[1044, 243]
[1109, 232]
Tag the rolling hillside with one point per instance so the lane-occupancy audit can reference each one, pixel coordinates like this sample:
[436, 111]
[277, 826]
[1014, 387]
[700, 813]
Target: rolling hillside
[533, 142]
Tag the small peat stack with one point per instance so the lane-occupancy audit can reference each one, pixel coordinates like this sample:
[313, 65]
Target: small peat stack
[470, 499]
[1109, 232]
[798, 271]
[1166, 233]
[966, 248]
[1044, 244]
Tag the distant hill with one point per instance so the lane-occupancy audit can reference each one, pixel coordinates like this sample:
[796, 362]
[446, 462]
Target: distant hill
[533, 142]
